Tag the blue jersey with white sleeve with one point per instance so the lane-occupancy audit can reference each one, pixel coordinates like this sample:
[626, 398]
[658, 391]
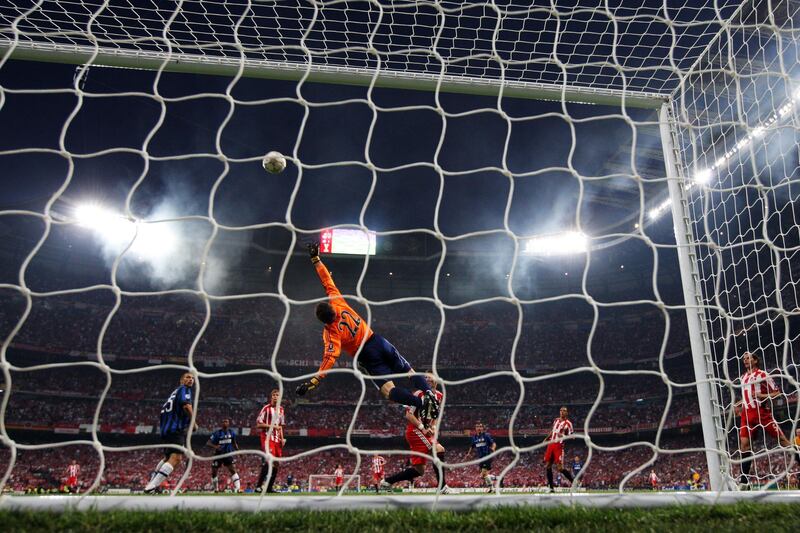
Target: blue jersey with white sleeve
[482, 442]
[226, 439]
[174, 418]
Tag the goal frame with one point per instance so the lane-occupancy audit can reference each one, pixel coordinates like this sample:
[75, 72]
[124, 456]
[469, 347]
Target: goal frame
[341, 75]
[711, 422]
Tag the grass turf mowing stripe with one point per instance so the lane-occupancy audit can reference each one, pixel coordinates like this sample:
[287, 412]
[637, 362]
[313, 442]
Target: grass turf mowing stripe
[739, 517]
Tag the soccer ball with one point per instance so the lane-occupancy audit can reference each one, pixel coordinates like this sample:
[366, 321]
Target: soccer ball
[274, 162]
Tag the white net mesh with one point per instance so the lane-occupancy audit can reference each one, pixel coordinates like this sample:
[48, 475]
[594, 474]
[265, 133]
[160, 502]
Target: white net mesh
[516, 258]
[738, 141]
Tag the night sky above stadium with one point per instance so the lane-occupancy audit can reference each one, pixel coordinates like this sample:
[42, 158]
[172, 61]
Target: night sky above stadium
[116, 117]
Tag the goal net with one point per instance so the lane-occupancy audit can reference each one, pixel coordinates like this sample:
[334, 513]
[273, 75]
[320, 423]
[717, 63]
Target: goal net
[590, 206]
[736, 142]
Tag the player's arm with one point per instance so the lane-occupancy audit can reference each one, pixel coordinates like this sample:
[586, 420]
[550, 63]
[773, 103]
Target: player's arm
[492, 443]
[417, 423]
[235, 442]
[322, 271]
[211, 442]
[332, 350]
[186, 403]
[772, 390]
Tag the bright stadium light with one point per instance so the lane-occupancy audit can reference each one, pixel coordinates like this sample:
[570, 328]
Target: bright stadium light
[115, 230]
[703, 176]
[570, 242]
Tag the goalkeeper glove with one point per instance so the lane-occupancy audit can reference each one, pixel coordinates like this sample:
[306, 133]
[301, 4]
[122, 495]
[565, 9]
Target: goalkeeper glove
[313, 251]
[307, 386]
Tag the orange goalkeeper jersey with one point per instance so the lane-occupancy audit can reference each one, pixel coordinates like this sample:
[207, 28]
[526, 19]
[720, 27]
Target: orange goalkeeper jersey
[347, 332]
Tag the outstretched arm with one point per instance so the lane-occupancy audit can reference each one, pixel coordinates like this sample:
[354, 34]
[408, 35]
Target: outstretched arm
[322, 271]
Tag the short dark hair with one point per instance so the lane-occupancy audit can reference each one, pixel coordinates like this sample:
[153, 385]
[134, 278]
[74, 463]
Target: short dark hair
[325, 313]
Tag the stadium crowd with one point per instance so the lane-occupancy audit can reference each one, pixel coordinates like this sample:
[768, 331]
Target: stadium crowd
[34, 469]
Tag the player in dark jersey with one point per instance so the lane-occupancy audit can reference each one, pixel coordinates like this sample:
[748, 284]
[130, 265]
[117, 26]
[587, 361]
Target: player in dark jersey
[577, 466]
[176, 414]
[224, 441]
[481, 445]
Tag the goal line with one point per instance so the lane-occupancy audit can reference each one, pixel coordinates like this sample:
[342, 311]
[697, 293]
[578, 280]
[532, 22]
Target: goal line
[386, 502]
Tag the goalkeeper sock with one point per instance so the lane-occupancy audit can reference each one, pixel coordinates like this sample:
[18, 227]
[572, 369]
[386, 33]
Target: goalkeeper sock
[567, 474]
[237, 484]
[406, 475]
[420, 382]
[215, 484]
[403, 396]
[162, 474]
[550, 478]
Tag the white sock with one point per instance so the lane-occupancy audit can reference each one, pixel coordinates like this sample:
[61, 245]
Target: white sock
[158, 467]
[236, 483]
[214, 483]
[161, 474]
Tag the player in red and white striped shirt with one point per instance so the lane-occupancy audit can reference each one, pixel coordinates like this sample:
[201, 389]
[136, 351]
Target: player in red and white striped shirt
[338, 476]
[653, 480]
[555, 449]
[419, 436]
[73, 471]
[270, 421]
[378, 463]
[758, 390]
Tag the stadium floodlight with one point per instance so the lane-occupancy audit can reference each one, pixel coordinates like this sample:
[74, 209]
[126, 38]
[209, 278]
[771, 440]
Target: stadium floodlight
[116, 231]
[703, 176]
[567, 243]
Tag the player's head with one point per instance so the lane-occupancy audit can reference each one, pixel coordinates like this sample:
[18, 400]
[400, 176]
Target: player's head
[431, 381]
[750, 360]
[563, 412]
[577, 458]
[479, 427]
[325, 313]
[226, 423]
[187, 379]
[74, 462]
[274, 396]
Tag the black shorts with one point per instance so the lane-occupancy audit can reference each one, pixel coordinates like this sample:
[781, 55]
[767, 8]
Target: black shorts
[486, 465]
[378, 358]
[173, 438]
[227, 461]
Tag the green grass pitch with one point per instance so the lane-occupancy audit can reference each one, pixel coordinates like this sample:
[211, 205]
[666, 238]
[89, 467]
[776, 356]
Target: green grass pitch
[741, 517]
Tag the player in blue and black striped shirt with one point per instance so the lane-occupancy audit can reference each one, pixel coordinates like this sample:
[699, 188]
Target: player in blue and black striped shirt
[224, 441]
[176, 415]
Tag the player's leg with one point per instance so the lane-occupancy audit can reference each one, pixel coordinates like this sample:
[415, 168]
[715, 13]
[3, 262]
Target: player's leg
[379, 358]
[747, 456]
[215, 475]
[560, 464]
[441, 479]
[173, 459]
[237, 482]
[262, 475]
[271, 482]
[548, 466]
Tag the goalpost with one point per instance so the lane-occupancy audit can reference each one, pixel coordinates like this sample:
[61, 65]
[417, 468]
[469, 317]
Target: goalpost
[718, 84]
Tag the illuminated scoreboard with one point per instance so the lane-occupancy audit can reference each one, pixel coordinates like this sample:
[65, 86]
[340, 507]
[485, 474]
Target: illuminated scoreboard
[347, 241]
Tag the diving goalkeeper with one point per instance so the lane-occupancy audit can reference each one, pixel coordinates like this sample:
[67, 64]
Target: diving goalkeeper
[345, 330]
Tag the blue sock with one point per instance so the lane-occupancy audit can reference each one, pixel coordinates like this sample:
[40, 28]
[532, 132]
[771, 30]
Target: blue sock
[420, 382]
[401, 395]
